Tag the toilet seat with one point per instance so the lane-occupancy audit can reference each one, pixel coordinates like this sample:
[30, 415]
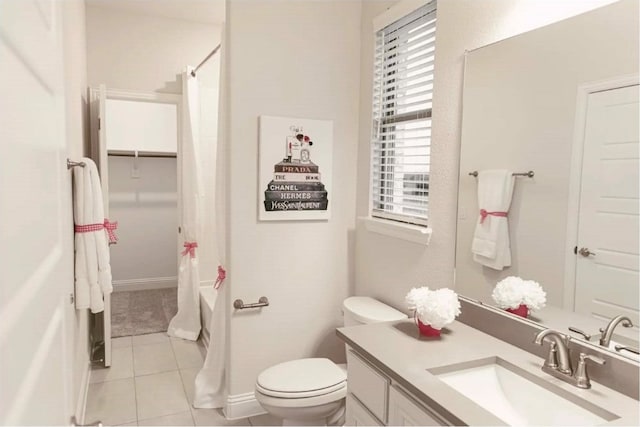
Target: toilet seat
[302, 378]
[301, 402]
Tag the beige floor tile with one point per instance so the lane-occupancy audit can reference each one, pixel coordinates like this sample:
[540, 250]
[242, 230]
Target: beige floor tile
[153, 358]
[121, 342]
[159, 337]
[214, 417]
[160, 394]
[112, 402]
[189, 354]
[121, 366]
[129, 424]
[188, 382]
[181, 419]
[265, 420]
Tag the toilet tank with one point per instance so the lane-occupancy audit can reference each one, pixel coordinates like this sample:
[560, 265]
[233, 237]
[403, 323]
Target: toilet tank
[365, 310]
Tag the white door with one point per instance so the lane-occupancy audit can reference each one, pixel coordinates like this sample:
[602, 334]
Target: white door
[103, 167]
[607, 262]
[36, 234]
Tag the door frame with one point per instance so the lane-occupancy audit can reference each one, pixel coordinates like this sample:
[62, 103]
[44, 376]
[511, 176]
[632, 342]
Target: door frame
[575, 175]
[99, 153]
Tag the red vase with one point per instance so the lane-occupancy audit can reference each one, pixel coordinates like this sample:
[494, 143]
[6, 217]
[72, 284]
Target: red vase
[427, 330]
[522, 311]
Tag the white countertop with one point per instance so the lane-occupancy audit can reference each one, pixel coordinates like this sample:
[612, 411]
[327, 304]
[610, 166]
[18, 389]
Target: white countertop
[398, 350]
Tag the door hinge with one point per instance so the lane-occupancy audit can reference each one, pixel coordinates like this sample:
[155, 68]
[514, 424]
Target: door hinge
[575, 250]
[99, 123]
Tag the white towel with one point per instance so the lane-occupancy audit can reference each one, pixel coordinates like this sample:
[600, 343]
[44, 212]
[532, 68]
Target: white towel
[490, 246]
[92, 269]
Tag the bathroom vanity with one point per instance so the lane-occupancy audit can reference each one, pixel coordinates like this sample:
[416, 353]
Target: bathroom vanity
[465, 377]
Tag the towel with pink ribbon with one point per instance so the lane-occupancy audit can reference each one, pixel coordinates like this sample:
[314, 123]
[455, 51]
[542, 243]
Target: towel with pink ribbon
[93, 233]
[490, 245]
[109, 227]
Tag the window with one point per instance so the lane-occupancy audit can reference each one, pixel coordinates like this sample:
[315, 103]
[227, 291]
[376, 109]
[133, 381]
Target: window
[401, 137]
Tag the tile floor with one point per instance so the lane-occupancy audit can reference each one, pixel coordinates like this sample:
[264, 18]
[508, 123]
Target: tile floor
[150, 383]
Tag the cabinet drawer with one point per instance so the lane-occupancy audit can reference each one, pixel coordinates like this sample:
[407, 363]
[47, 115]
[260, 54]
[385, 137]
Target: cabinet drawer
[358, 415]
[368, 385]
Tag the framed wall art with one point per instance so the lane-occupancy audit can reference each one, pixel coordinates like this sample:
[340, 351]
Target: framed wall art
[295, 169]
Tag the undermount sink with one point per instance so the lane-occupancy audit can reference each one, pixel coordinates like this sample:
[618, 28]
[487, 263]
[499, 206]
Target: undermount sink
[517, 397]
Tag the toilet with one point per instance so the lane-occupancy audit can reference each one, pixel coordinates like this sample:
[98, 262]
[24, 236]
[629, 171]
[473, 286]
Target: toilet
[312, 391]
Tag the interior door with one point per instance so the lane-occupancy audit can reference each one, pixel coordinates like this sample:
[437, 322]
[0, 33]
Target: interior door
[36, 254]
[103, 168]
[607, 264]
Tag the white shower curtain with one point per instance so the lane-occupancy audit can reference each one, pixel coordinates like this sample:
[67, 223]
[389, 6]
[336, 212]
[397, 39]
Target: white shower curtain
[210, 381]
[186, 323]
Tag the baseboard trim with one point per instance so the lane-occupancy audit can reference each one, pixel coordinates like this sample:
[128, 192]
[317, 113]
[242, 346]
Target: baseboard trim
[145, 283]
[81, 403]
[243, 405]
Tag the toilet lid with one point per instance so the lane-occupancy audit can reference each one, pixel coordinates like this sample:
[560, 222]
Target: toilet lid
[301, 378]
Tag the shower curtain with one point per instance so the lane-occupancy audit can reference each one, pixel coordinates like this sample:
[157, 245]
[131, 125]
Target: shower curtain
[210, 381]
[186, 323]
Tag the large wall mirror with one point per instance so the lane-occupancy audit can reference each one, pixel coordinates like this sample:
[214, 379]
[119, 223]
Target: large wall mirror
[561, 101]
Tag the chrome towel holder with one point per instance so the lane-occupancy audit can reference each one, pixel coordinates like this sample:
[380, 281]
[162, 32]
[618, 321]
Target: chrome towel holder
[72, 164]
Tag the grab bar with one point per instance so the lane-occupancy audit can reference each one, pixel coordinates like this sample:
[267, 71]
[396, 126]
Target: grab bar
[529, 174]
[240, 305]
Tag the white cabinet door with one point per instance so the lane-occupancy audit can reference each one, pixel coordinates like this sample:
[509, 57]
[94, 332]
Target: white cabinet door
[358, 415]
[607, 279]
[368, 385]
[403, 411]
[36, 234]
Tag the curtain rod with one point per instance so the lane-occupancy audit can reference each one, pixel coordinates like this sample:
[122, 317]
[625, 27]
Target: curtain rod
[123, 153]
[213, 52]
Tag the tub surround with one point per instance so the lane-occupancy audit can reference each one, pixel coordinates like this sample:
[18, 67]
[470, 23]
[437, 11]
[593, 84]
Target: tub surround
[397, 350]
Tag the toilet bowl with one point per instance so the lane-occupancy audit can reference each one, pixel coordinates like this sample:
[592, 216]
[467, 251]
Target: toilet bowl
[313, 391]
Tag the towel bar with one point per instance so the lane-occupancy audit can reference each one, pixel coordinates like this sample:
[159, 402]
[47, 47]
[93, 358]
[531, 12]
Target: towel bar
[529, 174]
[71, 164]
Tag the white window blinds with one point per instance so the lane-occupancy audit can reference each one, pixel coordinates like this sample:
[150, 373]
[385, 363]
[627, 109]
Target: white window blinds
[401, 138]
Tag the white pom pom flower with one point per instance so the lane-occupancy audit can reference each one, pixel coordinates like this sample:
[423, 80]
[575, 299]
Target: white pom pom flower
[415, 295]
[534, 296]
[436, 308]
[513, 291]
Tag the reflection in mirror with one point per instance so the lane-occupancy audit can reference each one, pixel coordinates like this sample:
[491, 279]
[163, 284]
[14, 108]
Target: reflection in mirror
[562, 101]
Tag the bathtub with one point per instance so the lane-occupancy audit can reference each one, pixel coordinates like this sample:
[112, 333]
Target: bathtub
[206, 309]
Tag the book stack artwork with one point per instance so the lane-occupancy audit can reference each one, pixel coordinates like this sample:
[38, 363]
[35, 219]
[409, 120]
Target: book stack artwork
[295, 187]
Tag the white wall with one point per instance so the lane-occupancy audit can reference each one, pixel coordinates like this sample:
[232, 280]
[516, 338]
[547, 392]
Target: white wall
[386, 267]
[299, 59]
[519, 113]
[145, 53]
[77, 133]
[128, 49]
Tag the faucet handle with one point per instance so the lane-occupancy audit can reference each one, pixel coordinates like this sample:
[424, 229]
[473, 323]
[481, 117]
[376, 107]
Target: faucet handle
[581, 375]
[596, 359]
[581, 332]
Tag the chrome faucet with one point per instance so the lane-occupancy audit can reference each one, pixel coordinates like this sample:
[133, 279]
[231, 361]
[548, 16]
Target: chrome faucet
[558, 362]
[607, 331]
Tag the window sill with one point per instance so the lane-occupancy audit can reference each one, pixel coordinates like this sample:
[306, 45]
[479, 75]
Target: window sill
[409, 232]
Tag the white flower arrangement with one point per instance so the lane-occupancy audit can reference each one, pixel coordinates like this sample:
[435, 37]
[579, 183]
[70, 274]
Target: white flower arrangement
[436, 308]
[513, 291]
